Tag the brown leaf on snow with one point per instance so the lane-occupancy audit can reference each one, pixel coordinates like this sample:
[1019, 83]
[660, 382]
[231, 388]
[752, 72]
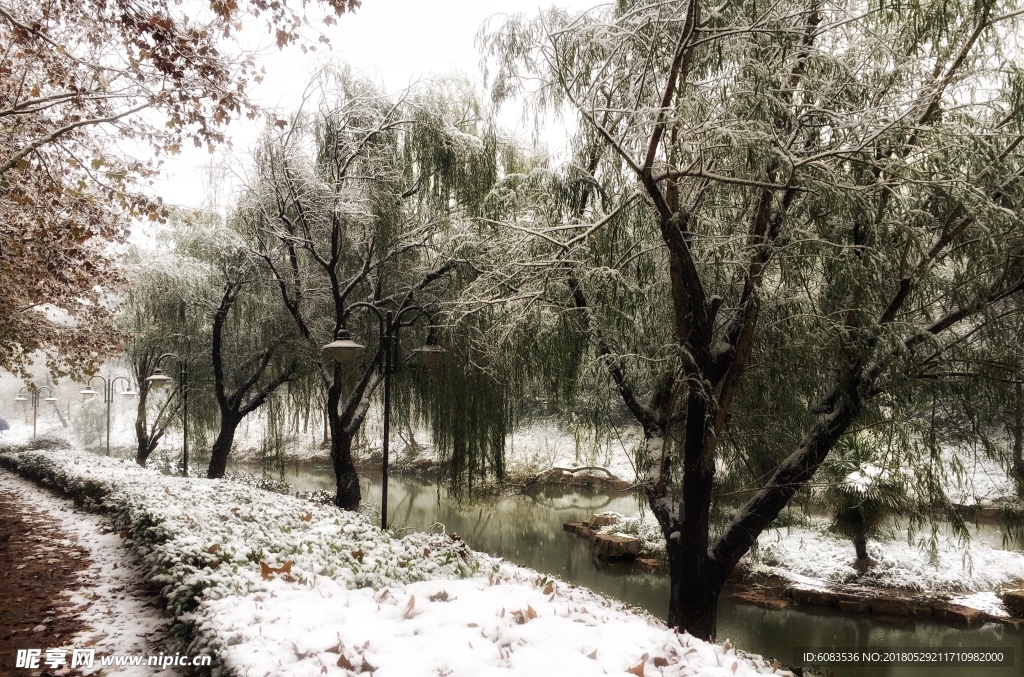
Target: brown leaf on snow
[308, 516]
[266, 570]
[409, 606]
[471, 625]
[358, 555]
[344, 662]
[638, 669]
[549, 588]
[660, 661]
[366, 667]
[439, 597]
[592, 655]
[213, 548]
[530, 613]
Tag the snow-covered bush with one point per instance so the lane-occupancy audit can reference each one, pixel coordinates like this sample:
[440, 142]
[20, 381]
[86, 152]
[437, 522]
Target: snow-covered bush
[205, 539]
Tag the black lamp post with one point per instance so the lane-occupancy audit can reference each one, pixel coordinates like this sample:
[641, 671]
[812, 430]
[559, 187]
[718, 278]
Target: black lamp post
[158, 380]
[34, 391]
[345, 351]
[108, 395]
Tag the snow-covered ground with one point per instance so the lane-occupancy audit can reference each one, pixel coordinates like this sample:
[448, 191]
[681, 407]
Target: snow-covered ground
[274, 585]
[120, 615]
[812, 556]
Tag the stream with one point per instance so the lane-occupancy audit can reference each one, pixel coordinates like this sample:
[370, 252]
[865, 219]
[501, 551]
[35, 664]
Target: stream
[527, 530]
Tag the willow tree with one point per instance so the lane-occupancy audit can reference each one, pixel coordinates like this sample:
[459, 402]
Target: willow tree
[158, 315]
[358, 201]
[250, 343]
[781, 222]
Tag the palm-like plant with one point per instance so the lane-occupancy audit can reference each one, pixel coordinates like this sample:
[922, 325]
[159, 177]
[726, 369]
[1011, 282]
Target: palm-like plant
[862, 494]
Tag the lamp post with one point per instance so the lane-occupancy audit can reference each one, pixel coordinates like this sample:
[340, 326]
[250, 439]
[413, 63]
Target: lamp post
[34, 391]
[344, 351]
[158, 380]
[108, 395]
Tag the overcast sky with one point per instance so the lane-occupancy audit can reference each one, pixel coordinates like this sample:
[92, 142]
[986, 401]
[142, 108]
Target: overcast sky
[397, 41]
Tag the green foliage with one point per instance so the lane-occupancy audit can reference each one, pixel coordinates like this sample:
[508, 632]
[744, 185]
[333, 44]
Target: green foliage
[862, 492]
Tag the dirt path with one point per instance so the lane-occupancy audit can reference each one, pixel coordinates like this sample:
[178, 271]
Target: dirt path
[38, 563]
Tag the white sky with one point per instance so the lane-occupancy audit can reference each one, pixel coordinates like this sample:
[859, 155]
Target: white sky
[396, 41]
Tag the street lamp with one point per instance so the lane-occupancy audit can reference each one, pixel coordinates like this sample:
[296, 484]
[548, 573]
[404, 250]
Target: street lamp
[158, 380]
[108, 395]
[34, 391]
[344, 351]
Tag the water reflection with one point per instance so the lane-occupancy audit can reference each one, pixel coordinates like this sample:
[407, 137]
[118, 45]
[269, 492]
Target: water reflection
[527, 530]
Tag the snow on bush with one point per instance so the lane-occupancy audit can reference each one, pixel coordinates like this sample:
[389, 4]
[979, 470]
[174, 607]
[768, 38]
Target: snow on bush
[818, 554]
[642, 527]
[273, 585]
[813, 552]
[205, 539]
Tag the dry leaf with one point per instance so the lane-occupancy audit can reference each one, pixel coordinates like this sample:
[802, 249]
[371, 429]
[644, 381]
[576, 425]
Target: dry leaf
[735, 667]
[776, 665]
[530, 613]
[266, 570]
[660, 661]
[471, 625]
[213, 548]
[502, 614]
[308, 516]
[358, 555]
[409, 606]
[638, 669]
[366, 667]
[344, 662]
[123, 534]
[549, 588]
[592, 655]
[439, 597]
[323, 669]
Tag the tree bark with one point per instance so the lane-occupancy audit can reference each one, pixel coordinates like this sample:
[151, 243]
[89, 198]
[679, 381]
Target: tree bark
[222, 446]
[860, 543]
[1018, 438]
[695, 583]
[348, 494]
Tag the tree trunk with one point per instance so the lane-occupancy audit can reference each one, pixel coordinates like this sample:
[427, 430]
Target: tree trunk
[1018, 438]
[860, 544]
[348, 493]
[695, 585]
[222, 446]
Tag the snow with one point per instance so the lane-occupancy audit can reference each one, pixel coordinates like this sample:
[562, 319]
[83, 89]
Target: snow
[275, 585]
[984, 601]
[119, 614]
[817, 554]
[812, 557]
[509, 623]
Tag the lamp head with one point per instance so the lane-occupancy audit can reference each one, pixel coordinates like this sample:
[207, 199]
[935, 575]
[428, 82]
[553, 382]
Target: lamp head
[429, 354]
[129, 394]
[343, 349]
[159, 379]
[87, 394]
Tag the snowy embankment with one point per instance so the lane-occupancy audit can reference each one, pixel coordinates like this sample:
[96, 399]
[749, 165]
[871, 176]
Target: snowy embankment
[274, 585]
[813, 557]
